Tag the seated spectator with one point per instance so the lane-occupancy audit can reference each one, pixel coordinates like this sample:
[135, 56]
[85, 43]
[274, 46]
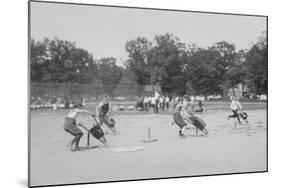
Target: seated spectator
[66, 104]
[200, 109]
[167, 100]
[131, 107]
[121, 107]
[139, 105]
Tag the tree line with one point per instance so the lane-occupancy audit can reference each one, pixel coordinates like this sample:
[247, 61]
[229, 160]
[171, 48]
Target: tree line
[177, 67]
[61, 61]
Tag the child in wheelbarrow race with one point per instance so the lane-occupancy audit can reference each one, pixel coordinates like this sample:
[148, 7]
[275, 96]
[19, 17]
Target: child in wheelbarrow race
[235, 106]
[102, 111]
[183, 117]
[179, 113]
[71, 127]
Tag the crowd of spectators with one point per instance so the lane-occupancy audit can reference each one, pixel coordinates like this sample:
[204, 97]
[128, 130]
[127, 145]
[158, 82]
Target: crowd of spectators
[167, 103]
[55, 103]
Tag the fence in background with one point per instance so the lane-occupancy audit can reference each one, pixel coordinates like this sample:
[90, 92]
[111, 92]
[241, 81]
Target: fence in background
[91, 91]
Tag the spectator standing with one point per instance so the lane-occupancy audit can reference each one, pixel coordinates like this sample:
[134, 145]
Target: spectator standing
[167, 100]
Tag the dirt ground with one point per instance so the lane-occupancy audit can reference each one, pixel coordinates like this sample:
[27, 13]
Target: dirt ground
[225, 149]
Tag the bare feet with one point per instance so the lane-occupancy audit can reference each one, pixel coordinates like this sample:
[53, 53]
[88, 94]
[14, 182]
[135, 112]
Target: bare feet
[70, 146]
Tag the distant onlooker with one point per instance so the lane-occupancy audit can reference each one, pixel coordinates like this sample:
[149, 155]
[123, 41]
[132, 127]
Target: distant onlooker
[153, 103]
[156, 97]
[66, 104]
[149, 102]
[54, 100]
[200, 109]
[263, 97]
[55, 106]
[131, 107]
[161, 102]
[177, 99]
[115, 108]
[121, 107]
[167, 100]
[173, 102]
[192, 102]
[139, 105]
[146, 103]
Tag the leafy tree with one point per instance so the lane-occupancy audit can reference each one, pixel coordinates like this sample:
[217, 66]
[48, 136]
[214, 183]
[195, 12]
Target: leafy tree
[236, 73]
[61, 61]
[225, 63]
[138, 58]
[127, 85]
[109, 73]
[202, 74]
[38, 57]
[80, 67]
[227, 54]
[165, 62]
[256, 61]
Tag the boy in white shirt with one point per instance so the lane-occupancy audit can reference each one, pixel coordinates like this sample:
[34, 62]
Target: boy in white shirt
[235, 106]
[156, 98]
[145, 102]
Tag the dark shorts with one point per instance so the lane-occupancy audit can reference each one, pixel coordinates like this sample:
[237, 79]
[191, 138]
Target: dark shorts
[71, 127]
[235, 113]
[178, 120]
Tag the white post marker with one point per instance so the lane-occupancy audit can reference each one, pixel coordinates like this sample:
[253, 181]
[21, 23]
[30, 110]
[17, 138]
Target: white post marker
[149, 139]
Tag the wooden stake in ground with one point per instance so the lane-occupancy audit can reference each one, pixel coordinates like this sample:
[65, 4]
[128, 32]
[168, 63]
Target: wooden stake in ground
[149, 139]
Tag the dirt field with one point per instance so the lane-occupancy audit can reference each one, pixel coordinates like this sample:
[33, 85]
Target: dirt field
[224, 150]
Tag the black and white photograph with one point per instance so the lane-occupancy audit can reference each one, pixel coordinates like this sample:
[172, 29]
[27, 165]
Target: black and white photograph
[129, 93]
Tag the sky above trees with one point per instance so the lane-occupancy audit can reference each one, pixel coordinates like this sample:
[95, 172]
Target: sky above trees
[104, 31]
